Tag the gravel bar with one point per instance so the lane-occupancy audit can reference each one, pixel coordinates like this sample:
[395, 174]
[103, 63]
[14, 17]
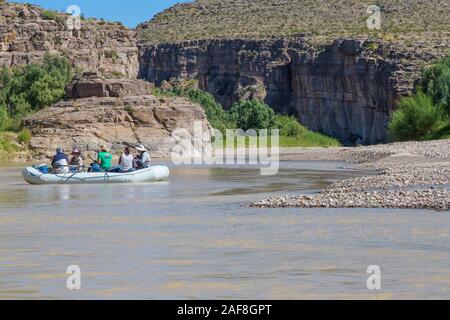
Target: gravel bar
[412, 175]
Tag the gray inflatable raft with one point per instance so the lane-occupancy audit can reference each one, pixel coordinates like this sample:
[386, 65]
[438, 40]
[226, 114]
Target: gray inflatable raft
[157, 173]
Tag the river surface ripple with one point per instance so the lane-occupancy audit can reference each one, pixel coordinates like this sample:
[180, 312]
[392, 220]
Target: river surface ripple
[190, 238]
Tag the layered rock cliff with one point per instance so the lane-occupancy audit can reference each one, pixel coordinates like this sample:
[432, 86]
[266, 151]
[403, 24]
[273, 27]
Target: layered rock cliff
[115, 113]
[330, 76]
[28, 32]
[312, 59]
[346, 89]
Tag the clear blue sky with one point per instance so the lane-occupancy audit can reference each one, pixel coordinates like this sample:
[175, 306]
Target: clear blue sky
[129, 12]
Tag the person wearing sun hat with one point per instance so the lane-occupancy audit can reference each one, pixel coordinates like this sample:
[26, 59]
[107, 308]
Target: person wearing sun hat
[104, 158]
[77, 160]
[143, 160]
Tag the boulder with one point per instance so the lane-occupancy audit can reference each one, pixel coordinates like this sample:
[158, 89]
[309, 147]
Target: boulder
[92, 84]
[117, 113]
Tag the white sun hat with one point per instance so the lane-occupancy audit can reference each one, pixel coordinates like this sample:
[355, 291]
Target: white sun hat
[140, 148]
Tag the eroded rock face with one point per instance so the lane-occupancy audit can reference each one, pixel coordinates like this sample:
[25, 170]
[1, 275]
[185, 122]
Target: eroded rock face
[346, 93]
[347, 89]
[26, 36]
[91, 84]
[114, 121]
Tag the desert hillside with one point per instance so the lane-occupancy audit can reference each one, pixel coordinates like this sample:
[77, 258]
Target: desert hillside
[205, 19]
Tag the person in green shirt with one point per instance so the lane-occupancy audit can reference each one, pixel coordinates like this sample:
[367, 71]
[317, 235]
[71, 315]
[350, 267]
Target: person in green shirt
[104, 159]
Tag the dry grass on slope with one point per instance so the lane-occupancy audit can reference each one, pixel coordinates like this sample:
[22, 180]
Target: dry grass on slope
[206, 19]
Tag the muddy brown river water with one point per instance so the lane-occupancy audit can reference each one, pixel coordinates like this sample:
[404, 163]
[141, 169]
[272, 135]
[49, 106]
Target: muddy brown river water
[190, 238]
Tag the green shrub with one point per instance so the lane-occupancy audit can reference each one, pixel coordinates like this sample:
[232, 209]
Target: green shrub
[425, 116]
[293, 134]
[436, 83]
[30, 88]
[442, 133]
[253, 114]
[24, 136]
[415, 118]
[213, 110]
[8, 123]
[52, 15]
[4, 118]
[289, 126]
[8, 144]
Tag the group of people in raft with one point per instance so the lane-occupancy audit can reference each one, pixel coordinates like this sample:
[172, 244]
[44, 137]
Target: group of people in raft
[61, 163]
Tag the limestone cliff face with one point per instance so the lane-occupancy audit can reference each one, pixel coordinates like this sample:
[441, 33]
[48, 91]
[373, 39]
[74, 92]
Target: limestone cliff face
[346, 89]
[115, 113]
[26, 34]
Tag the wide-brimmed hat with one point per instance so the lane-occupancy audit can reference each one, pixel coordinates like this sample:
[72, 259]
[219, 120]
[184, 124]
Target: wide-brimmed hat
[103, 148]
[76, 151]
[140, 148]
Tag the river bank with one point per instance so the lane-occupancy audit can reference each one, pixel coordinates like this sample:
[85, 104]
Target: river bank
[412, 175]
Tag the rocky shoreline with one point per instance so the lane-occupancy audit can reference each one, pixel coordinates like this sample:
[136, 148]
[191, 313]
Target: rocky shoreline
[412, 175]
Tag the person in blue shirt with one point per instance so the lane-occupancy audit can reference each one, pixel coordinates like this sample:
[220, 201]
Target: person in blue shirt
[60, 161]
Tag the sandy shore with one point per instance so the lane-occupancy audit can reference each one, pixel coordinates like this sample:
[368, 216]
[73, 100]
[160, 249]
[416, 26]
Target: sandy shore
[413, 175]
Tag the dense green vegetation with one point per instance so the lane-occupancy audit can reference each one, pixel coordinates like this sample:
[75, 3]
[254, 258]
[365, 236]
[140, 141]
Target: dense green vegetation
[252, 114]
[293, 134]
[415, 118]
[436, 83]
[425, 115]
[247, 115]
[29, 88]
